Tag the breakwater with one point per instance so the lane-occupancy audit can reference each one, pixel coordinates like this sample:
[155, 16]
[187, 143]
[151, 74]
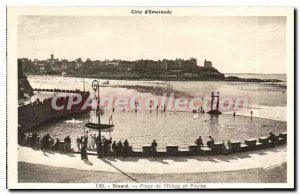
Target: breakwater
[38, 112]
[59, 90]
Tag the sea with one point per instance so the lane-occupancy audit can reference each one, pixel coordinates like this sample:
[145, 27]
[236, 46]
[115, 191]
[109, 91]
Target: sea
[266, 100]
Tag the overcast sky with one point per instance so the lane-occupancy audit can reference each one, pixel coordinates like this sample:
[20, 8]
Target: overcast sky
[233, 44]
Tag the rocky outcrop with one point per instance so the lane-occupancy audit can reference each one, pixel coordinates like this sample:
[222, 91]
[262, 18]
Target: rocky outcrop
[233, 78]
[24, 86]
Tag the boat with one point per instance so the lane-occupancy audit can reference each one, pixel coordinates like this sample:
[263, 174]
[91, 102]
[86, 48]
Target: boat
[103, 127]
[106, 82]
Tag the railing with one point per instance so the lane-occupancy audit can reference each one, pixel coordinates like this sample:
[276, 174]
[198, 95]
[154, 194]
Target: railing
[59, 90]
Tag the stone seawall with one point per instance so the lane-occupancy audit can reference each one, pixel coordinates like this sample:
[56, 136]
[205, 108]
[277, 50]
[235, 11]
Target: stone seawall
[31, 115]
[193, 150]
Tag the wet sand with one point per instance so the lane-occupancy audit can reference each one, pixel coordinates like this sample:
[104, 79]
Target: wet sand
[154, 90]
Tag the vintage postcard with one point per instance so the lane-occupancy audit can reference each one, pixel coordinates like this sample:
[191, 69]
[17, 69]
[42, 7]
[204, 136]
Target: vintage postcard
[150, 97]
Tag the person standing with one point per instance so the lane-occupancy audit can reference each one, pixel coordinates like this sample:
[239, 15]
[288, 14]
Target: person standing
[83, 153]
[85, 139]
[153, 148]
[93, 141]
[119, 148]
[67, 145]
[90, 142]
[78, 142]
[99, 147]
[251, 113]
[114, 148]
[86, 134]
[82, 141]
[126, 148]
[46, 141]
[110, 142]
[55, 146]
[49, 140]
[151, 104]
[43, 142]
[105, 146]
[109, 145]
[211, 142]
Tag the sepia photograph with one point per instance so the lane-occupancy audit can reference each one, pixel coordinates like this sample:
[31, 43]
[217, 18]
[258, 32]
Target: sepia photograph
[150, 97]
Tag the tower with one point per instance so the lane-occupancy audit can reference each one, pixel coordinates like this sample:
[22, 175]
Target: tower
[212, 110]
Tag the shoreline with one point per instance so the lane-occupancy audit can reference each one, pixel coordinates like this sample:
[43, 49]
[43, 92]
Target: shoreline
[225, 79]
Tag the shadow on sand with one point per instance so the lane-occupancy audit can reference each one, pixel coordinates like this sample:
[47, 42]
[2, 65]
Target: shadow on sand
[109, 163]
[214, 158]
[87, 162]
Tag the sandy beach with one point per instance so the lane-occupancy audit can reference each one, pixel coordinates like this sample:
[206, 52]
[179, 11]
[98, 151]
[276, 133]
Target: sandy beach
[267, 166]
[34, 173]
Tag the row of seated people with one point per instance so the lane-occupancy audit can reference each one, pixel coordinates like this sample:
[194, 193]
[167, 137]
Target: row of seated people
[62, 99]
[211, 143]
[60, 90]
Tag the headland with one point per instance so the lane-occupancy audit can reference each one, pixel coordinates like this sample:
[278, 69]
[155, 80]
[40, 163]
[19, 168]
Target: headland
[143, 69]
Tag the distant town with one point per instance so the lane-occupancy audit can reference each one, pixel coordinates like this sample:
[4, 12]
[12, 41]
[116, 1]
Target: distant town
[178, 69]
[143, 69]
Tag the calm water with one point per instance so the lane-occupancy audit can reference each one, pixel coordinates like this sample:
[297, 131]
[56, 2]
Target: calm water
[173, 128]
[281, 77]
[265, 94]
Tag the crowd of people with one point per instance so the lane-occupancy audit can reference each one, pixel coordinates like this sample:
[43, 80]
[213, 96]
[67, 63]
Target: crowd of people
[36, 102]
[60, 100]
[200, 110]
[102, 145]
[210, 143]
[45, 141]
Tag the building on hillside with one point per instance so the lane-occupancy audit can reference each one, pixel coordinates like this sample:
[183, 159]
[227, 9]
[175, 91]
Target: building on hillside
[207, 64]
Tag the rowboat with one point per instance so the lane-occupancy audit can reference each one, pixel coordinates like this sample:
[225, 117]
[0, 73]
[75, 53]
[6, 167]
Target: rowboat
[103, 127]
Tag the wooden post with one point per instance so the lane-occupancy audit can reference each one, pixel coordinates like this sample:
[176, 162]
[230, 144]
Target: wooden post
[212, 100]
